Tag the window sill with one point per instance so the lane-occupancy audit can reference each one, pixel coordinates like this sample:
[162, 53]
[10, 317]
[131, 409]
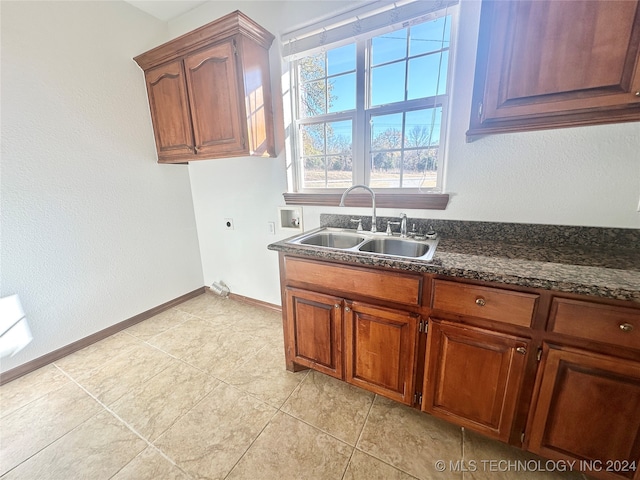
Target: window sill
[429, 201]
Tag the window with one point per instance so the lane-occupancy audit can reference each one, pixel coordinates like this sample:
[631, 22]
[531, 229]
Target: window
[373, 111]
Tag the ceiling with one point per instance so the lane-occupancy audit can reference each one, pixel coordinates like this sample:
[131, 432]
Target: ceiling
[165, 10]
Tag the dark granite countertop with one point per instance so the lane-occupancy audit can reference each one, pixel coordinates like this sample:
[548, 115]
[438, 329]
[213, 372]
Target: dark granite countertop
[584, 260]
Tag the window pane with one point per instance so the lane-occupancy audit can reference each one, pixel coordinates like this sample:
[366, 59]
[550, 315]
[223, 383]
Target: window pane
[342, 93]
[423, 76]
[389, 47]
[339, 172]
[342, 59]
[312, 139]
[339, 136]
[385, 170]
[387, 84]
[311, 67]
[326, 148]
[428, 37]
[386, 132]
[314, 175]
[313, 98]
[422, 127]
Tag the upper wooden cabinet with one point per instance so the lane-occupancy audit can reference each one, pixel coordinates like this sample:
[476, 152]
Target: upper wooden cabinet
[210, 92]
[548, 64]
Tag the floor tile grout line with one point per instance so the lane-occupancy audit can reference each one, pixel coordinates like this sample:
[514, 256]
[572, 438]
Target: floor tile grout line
[156, 449]
[3, 415]
[315, 427]
[251, 444]
[96, 368]
[125, 423]
[366, 419]
[370, 453]
[172, 327]
[355, 446]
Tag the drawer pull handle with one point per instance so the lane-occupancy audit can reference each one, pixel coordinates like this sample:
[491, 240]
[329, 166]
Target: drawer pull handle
[521, 350]
[626, 327]
[481, 302]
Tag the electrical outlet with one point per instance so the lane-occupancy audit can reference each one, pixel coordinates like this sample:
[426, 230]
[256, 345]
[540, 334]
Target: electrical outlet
[228, 223]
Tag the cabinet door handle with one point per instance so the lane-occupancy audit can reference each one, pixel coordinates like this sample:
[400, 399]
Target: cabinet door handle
[521, 350]
[337, 305]
[626, 327]
[347, 309]
[481, 302]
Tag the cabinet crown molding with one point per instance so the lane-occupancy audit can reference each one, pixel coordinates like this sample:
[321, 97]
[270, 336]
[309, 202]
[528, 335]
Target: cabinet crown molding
[224, 27]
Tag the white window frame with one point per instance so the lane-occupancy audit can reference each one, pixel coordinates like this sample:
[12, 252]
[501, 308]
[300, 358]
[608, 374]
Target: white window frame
[361, 135]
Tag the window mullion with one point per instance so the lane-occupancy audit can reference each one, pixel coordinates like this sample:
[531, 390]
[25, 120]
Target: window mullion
[360, 139]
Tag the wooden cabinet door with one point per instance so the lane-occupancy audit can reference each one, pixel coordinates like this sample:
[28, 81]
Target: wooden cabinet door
[380, 349]
[314, 331]
[169, 107]
[544, 63]
[588, 409]
[216, 101]
[473, 377]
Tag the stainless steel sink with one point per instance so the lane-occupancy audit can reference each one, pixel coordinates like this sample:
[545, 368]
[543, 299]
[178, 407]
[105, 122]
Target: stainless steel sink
[396, 247]
[333, 240]
[367, 243]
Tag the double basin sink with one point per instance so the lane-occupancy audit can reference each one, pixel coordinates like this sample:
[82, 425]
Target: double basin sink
[366, 242]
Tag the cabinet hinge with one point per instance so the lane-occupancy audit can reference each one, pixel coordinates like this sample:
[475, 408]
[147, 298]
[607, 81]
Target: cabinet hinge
[522, 437]
[480, 110]
[235, 50]
[423, 326]
[417, 399]
[243, 142]
[539, 354]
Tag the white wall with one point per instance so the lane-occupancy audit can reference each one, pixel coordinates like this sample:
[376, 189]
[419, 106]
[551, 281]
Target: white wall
[94, 231]
[575, 176]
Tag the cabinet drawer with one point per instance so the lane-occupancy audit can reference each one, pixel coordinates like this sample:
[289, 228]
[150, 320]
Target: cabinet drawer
[490, 303]
[594, 321]
[391, 286]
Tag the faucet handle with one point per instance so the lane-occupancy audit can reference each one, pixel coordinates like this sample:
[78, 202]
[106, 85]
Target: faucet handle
[389, 223]
[359, 220]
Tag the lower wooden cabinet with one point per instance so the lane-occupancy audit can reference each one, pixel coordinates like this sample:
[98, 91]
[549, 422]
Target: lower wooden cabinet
[380, 350]
[366, 345]
[579, 403]
[314, 331]
[588, 410]
[473, 377]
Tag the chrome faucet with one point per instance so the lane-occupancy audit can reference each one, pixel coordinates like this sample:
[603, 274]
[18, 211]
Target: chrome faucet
[403, 225]
[373, 204]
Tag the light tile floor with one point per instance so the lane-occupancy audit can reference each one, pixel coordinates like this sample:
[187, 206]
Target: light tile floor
[200, 391]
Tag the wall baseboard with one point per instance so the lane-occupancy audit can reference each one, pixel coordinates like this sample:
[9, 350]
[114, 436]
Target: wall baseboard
[39, 362]
[253, 301]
